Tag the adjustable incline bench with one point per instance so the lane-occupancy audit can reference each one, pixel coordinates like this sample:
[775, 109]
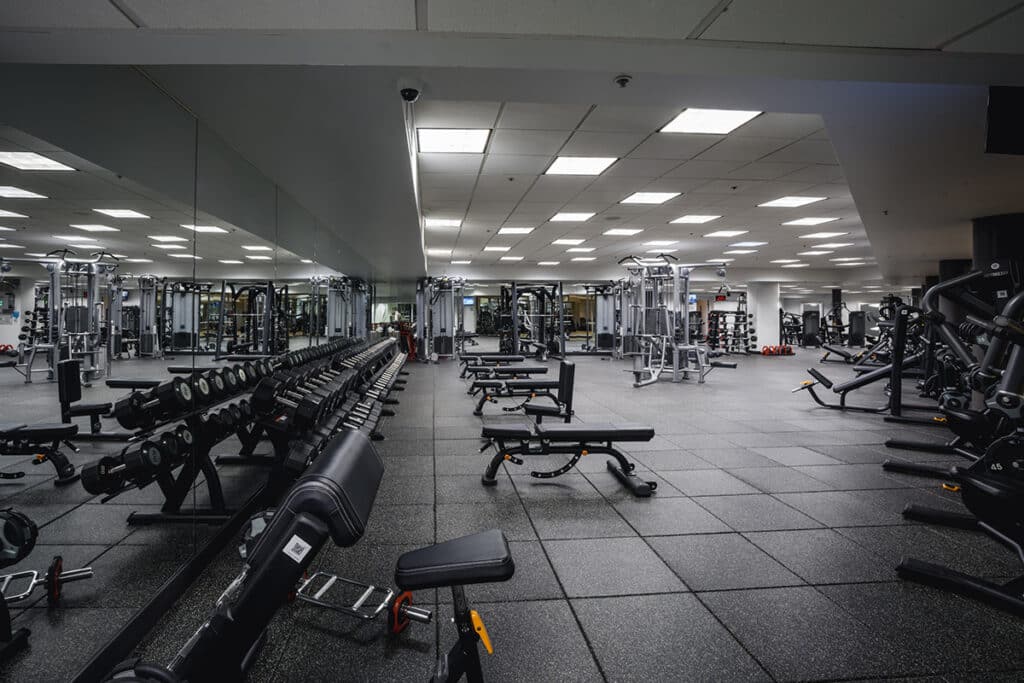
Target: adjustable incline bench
[42, 441]
[575, 440]
[331, 501]
[486, 361]
[69, 393]
[490, 390]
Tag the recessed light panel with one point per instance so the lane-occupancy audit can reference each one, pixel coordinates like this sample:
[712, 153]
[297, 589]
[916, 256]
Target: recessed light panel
[712, 121]
[851, 263]
[515, 231]
[441, 222]
[91, 227]
[439, 252]
[694, 218]
[194, 258]
[791, 202]
[797, 265]
[581, 250]
[579, 165]
[167, 238]
[584, 258]
[497, 248]
[453, 140]
[142, 260]
[30, 161]
[649, 197]
[809, 221]
[11, 192]
[833, 245]
[726, 233]
[740, 251]
[121, 213]
[202, 228]
[720, 260]
[11, 214]
[74, 238]
[572, 217]
[306, 260]
[255, 247]
[461, 263]
[848, 258]
[168, 247]
[230, 261]
[822, 235]
[662, 251]
[257, 258]
[511, 258]
[83, 245]
[660, 243]
[813, 253]
[748, 244]
[785, 260]
[623, 232]
[568, 241]
[548, 263]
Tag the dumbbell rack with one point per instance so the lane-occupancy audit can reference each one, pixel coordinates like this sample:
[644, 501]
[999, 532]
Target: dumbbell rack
[730, 331]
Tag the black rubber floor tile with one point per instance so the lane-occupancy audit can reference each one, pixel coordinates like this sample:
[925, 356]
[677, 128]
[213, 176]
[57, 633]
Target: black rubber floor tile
[779, 479]
[534, 579]
[665, 516]
[756, 513]
[822, 556]
[445, 465]
[735, 456]
[694, 442]
[839, 508]
[576, 519]
[401, 525]
[392, 446]
[895, 500]
[400, 489]
[633, 635]
[798, 634]
[123, 576]
[613, 490]
[963, 551]
[610, 566]
[61, 642]
[851, 477]
[466, 447]
[15, 490]
[721, 562]
[459, 520]
[91, 524]
[569, 486]
[467, 488]
[671, 460]
[409, 466]
[793, 456]
[707, 483]
[854, 455]
[533, 641]
[949, 633]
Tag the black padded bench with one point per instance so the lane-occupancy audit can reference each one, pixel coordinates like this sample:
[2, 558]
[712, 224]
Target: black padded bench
[492, 389]
[575, 440]
[69, 394]
[43, 441]
[8, 363]
[123, 383]
[189, 370]
[491, 372]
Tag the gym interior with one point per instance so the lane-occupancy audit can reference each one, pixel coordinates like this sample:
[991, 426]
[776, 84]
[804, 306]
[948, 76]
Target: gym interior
[511, 341]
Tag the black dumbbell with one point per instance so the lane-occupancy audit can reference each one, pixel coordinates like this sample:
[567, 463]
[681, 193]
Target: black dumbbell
[246, 408]
[217, 387]
[139, 409]
[272, 394]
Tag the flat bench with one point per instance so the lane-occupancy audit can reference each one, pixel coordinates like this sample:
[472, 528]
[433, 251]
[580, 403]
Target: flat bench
[487, 360]
[132, 383]
[190, 370]
[511, 442]
[43, 441]
[506, 370]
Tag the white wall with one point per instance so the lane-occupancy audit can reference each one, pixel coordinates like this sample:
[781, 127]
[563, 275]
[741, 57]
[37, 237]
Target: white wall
[469, 318]
[23, 299]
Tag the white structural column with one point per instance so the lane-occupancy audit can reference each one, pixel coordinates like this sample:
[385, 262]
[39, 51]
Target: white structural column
[763, 301]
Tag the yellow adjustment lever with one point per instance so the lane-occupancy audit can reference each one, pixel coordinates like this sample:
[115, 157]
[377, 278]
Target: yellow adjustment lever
[951, 487]
[481, 631]
[939, 419]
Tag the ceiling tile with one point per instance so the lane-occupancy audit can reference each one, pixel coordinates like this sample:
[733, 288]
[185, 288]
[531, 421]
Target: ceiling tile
[443, 114]
[703, 169]
[497, 188]
[431, 194]
[817, 173]
[1002, 36]
[862, 23]
[590, 143]
[515, 164]
[534, 116]
[448, 180]
[792, 126]
[763, 170]
[674, 146]
[449, 163]
[742, 149]
[557, 188]
[807, 152]
[607, 117]
[64, 14]
[506, 141]
[641, 168]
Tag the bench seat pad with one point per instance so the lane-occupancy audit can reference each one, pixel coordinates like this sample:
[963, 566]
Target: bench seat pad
[595, 432]
[478, 558]
[541, 384]
[42, 432]
[507, 432]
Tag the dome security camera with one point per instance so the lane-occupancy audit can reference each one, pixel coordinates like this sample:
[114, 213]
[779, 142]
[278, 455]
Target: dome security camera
[409, 94]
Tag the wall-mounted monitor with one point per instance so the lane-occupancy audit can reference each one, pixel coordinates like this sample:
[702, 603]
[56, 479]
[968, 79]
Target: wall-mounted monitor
[468, 301]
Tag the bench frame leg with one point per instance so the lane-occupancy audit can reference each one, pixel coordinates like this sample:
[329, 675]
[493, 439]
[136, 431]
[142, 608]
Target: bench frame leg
[464, 657]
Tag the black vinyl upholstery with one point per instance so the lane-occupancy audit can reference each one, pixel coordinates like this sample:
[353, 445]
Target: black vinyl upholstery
[589, 432]
[41, 432]
[478, 558]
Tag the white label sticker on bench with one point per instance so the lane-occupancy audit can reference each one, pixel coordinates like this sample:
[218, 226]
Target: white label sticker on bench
[297, 548]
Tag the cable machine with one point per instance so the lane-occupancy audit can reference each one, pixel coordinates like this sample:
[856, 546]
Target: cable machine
[531, 316]
[439, 314]
[340, 309]
[655, 306]
[253, 318]
[150, 342]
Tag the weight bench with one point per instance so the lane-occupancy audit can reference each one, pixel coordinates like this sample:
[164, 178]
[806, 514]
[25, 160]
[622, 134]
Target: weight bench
[487, 360]
[132, 383]
[845, 355]
[69, 394]
[507, 371]
[332, 501]
[491, 390]
[42, 441]
[574, 440]
[844, 388]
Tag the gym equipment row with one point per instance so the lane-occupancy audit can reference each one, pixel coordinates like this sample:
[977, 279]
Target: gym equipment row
[490, 390]
[332, 501]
